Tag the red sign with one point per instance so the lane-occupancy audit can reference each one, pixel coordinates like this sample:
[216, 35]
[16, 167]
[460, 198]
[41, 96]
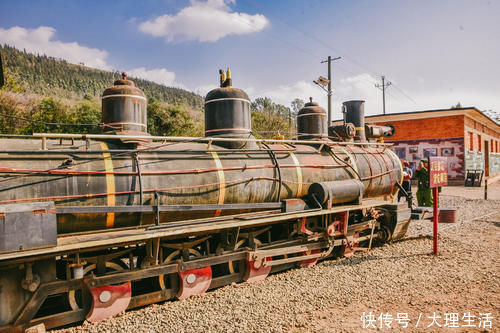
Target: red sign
[438, 171]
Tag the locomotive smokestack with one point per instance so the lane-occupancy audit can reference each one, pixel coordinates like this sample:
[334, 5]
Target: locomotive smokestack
[354, 112]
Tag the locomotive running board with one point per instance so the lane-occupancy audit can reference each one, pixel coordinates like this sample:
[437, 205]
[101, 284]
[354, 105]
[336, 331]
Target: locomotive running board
[92, 242]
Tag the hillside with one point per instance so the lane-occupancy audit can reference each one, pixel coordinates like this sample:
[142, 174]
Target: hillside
[48, 76]
[45, 94]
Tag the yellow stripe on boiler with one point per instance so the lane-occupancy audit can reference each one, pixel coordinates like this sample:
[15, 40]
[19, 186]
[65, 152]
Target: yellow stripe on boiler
[222, 181]
[110, 183]
[299, 174]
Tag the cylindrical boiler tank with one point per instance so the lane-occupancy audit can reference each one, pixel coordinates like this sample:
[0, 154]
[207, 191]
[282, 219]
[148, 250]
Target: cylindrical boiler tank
[227, 115]
[103, 174]
[124, 109]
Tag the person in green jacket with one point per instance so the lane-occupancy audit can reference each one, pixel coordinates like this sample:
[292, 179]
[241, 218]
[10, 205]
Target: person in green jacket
[424, 193]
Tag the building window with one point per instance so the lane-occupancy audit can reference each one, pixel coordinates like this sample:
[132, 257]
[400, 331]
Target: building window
[413, 150]
[479, 143]
[492, 146]
[471, 141]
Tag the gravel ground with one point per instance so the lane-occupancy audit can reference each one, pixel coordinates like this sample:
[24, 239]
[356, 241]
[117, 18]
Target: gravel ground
[403, 277]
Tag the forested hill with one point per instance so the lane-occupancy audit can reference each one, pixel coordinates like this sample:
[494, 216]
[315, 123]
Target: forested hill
[49, 76]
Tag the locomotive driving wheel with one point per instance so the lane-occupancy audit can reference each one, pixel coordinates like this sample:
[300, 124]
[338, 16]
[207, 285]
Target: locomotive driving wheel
[253, 271]
[171, 281]
[188, 282]
[239, 244]
[79, 299]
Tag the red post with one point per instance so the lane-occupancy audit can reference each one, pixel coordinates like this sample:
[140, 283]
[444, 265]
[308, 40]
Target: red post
[435, 214]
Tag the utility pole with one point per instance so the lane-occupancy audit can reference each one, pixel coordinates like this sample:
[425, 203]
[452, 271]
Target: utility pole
[329, 91]
[383, 86]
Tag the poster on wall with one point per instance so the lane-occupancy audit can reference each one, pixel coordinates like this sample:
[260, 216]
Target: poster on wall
[401, 152]
[450, 151]
[430, 152]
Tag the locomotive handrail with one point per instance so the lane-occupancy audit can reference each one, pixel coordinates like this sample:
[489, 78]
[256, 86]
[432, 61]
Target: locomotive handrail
[162, 208]
[193, 139]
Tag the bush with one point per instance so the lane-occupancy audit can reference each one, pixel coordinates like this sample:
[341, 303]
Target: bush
[49, 112]
[169, 120]
[87, 112]
[9, 109]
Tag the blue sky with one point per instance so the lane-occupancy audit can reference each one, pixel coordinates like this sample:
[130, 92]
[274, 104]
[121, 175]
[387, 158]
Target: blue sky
[436, 53]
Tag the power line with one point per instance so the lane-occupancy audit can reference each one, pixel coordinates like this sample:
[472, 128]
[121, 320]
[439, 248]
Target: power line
[305, 51]
[320, 41]
[403, 93]
[345, 56]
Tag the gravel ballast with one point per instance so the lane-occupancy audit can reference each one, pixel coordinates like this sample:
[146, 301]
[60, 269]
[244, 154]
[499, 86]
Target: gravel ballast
[403, 277]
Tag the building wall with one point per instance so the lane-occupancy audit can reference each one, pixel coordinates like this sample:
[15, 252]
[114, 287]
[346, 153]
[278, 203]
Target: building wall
[458, 134]
[475, 134]
[452, 148]
[427, 128]
[461, 138]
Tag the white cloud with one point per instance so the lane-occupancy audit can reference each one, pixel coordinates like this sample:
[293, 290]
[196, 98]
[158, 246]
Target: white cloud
[285, 94]
[203, 90]
[205, 22]
[360, 87]
[158, 75]
[41, 40]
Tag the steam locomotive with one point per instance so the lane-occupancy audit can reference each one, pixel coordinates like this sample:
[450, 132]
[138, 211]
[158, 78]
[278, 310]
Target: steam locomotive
[92, 225]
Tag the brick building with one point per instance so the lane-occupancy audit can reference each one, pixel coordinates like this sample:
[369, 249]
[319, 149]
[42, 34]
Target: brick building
[464, 135]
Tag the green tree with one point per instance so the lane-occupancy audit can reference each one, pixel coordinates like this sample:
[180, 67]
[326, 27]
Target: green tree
[169, 120]
[87, 113]
[269, 118]
[11, 84]
[49, 117]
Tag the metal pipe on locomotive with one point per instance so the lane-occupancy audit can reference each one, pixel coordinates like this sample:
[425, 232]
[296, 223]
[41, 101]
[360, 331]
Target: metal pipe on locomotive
[102, 223]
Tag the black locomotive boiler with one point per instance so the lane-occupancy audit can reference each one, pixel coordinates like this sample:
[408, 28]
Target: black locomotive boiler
[91, 225]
